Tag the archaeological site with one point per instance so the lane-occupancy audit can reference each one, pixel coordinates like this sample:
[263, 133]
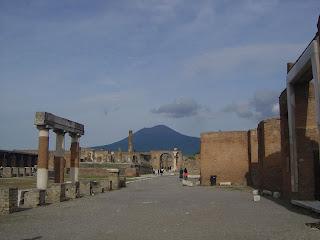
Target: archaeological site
[85, 147]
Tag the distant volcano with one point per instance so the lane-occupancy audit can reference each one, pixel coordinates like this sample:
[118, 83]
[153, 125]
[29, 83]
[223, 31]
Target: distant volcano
[158, 137]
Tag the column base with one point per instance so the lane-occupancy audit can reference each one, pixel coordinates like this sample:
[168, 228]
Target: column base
[42, 178]
[74, 174]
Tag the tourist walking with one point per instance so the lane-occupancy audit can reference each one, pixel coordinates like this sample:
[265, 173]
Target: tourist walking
[185, 174]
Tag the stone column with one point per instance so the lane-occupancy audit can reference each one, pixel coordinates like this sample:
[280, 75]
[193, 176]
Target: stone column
[59, 157]
[43, 155]
[175, 158]
[130, 146]
[74, 158]
[130, 142]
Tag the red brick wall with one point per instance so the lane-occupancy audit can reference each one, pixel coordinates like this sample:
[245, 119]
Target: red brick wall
[269, 154]
[224, 154]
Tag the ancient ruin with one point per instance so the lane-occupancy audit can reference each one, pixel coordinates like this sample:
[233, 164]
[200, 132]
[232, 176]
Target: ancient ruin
[44, 122]
[224, 156]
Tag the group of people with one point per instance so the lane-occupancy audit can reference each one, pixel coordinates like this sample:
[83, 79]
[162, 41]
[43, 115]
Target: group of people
[158, 171]
[183, 173]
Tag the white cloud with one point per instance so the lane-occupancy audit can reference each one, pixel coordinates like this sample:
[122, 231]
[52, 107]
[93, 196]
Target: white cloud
[262, 105]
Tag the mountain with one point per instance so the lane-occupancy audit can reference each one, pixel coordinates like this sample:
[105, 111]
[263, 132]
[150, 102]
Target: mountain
[158, 137]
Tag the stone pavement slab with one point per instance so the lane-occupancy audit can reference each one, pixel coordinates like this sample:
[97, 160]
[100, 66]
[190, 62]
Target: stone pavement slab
[161, 208]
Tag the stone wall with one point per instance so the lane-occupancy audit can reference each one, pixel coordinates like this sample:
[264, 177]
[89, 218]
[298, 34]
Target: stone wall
[269, 154]
[8, 200]
[192, 165]
[307, 137]
[285, 151]
[224, 154]
[254, 179]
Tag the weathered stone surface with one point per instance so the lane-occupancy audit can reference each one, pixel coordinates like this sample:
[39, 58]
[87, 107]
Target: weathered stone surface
[7, 172]
[34, 198]
[114, 178]
[8, 200]
[104, 183]
[85, 187]
[21, 172]
[70, 190]
[56, 193]
[55, 122]
[28, 171]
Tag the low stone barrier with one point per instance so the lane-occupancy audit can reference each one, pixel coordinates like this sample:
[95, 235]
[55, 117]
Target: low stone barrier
[15, 172]
[70, 190]
[7, 172]
[8, 200]
[104, 183]
[21, 172]
[114, 178]
[85, 188]
[28, 171]
[56, 193]
[34, 198]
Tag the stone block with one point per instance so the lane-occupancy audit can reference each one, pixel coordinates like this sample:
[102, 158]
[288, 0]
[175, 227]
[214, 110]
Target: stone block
[70, 190]
[255, 192]
[267, 192]
[104, 183]
[225, 183]
[34, 198]
[122, 182]
[85, 188]
[28, 171]
[256, 198]
[21, 172]
[276, 195]
[15, 172]
[114, 178]
[7, 172]
[1, 171]
[56, 193]
[8, 200]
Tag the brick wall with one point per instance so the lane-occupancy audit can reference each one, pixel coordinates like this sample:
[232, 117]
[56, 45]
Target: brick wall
[224, 154]
[269, 154]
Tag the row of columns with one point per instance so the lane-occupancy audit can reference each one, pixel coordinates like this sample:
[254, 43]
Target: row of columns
[43, 157]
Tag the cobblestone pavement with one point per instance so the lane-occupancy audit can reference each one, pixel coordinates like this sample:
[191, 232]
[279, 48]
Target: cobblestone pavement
[160, 208]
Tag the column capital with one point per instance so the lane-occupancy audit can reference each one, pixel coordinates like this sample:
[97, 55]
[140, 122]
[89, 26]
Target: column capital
[43, 127]
[59, 132]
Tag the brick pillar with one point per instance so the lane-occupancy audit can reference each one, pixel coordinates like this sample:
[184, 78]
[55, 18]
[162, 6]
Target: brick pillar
[74, 158]
[59, 158]
[43, 155]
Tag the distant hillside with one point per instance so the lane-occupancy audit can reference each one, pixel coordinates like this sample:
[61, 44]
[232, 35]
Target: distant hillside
[159, 137]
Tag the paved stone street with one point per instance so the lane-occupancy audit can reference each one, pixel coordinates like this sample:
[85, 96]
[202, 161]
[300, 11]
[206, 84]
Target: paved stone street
[161, 208]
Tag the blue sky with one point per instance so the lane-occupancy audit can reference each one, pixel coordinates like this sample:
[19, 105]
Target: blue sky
[195, 66]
